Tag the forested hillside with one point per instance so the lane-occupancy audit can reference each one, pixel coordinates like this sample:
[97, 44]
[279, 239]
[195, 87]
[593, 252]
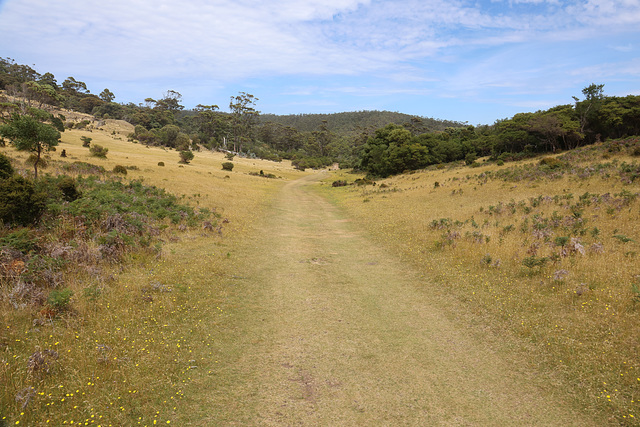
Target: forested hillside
[355, 121]
[381, 143]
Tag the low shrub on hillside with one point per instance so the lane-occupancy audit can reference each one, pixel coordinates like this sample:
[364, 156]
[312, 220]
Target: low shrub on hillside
[120, 169]
[99, 151]
[227, 166]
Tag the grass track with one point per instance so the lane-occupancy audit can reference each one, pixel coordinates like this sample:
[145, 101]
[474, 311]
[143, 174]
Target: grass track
[326, 328]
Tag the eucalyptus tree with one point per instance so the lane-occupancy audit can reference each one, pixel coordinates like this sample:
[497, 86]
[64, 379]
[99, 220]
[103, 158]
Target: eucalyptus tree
[243, 119]
[28, 134]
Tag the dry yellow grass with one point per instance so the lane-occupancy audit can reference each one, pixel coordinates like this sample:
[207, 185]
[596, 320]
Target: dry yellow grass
[578, 313]
[140, 332]
[148, 333]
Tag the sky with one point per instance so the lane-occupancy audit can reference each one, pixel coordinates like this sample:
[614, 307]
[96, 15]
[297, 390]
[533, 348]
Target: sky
[469, 61]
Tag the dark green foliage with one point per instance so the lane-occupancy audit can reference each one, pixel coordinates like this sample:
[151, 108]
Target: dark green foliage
[103, 198]
[393, 150]
[59, 300]
[227, 166]
[22, 239]
[186, 156]
[350, 122]
[552, 163]
[86, 141]
[99, 151]
[20, 204]
[6, 170]
[68, 187]
[534, 261]
[339, 183]
[120, 169]
[160, 163]
[28, 134]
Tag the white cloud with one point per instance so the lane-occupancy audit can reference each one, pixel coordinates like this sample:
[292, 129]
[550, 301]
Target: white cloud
[453, 47]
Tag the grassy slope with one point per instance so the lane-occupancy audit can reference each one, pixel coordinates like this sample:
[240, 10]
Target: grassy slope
[577, 315]
[127, 356]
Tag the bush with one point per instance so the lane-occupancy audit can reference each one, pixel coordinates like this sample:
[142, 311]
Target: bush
[552, 163]
[19, 202]
[227, 166]
[160, 163]
[22, 239]
[339, 183]
[59, 300]
[6, 170]
[99, 151]
[186, 156]
[120, 169]
[69, 189]
[86, 141]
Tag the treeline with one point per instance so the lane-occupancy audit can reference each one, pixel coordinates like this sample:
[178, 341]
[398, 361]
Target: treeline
[394, 149]
[379, 142]
[309, 140]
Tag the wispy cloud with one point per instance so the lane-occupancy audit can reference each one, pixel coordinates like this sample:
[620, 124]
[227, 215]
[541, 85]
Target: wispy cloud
[456, 48]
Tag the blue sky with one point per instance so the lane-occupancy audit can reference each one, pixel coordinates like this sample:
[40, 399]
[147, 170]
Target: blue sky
[475, 61]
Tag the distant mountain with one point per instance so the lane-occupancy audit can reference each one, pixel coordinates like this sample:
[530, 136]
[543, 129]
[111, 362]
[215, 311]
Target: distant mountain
[350, 122]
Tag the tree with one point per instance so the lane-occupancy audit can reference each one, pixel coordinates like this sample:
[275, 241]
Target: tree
[392, 150]
[213, 126]
[28, 134]
[586, 109]
[74, 87]
[107, 96]
[244, 117]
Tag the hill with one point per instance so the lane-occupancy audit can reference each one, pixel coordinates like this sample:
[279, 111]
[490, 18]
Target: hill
[355, 121]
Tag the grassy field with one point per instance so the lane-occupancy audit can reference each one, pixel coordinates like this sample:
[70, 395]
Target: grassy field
[126, 354]
[545, 255]
[539, 259]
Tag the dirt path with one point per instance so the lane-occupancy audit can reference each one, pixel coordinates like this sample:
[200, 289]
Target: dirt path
[332, 330]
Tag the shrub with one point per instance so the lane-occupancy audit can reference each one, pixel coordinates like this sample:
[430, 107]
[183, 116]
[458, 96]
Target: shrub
[229, 156]
[6, 170]
[19, 201]
[470, 158]
[552, 163]
[227, 166]
[99, 151]
[22, 239]
[86, 141]
[160, 163]
[533, 261]
[59, 299]
[69, 189]
[120, 169]
[186, 156]
[339, 183]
